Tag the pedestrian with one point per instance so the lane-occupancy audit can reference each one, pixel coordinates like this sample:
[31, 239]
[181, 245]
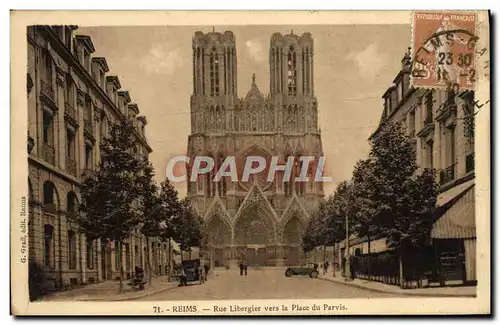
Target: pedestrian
[207, 268]
[183, 277]
[241, 268]
[326, 267]
[246, 267]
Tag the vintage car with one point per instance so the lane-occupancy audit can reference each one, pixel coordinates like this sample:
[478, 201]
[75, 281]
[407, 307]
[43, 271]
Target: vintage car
[309, 269]
[193, 273]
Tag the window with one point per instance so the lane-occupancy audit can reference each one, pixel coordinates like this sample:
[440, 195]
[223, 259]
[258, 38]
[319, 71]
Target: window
[104, 127]
[405, 84]
[429, 103]
[411, 121]
[88, 156]
[48, 193]
[214, 73]
[430, 153]
[101, 78]
[306, 72]
[86, 60]
[46, 68]
[292, 72]
[88, 110]
[70, 144]
[222, 182]
[72, 249]
[49, 246]
[48, 128]
[72, 208]
[399, 91]
[67, 37]
[90, 254]
[451, 145]
[70, 91]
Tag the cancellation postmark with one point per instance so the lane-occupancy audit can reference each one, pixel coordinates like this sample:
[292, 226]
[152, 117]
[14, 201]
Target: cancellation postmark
[444, 49]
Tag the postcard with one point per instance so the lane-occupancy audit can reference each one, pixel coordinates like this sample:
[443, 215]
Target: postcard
[237, 163]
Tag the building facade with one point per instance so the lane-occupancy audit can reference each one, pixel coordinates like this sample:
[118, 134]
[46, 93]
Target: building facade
[72, 103]
[257, 221]
[441, 125]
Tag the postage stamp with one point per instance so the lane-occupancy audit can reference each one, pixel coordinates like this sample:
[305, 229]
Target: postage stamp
[444, 50]
[202, 164]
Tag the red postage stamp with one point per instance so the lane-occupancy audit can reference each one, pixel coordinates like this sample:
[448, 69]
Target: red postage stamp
[443, 45]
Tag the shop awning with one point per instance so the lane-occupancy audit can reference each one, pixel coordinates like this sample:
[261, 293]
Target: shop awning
[453, 192]
[458, 217]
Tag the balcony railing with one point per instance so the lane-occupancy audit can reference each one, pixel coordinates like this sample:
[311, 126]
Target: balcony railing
[48, 153]
[70, 111]
[71, 165]
[88, 126]
[447, 175]
[50, 207]
[469, 163]
[47, 89]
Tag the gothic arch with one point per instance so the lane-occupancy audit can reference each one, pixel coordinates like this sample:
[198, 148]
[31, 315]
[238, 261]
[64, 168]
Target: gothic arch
[218, 230]
[293, 209]
[292, 230]
[255, 225]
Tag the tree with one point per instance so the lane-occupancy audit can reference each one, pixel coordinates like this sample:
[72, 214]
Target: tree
[109, 196]
[339, 206]
[187, 227]
[151, 209]
[365, 207]
[315, 234]
[402, 201]
[172, 208]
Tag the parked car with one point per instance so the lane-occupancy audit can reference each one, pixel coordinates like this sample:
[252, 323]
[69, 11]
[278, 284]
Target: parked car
[310, 269]
[193, 273]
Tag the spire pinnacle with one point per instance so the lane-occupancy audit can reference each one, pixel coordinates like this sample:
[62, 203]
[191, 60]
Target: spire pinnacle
[253, 78]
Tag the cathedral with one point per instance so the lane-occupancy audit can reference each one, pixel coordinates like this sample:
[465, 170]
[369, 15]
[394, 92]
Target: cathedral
[257, 221]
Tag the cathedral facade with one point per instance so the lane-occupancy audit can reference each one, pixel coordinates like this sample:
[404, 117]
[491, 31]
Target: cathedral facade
[258, 221]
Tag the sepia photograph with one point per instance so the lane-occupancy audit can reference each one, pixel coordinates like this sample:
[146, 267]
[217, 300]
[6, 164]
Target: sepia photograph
[250, 163]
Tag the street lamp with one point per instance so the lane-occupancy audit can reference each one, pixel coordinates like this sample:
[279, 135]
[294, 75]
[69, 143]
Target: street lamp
[347, 275]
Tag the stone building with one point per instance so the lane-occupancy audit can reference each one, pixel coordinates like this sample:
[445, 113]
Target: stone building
[440, 124]
[257, 221]
[72, 103]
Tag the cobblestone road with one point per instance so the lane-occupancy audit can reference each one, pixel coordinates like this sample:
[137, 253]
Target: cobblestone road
[263, 284]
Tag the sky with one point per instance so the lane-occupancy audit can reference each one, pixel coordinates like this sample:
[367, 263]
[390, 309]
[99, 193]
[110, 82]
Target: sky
[353, 66]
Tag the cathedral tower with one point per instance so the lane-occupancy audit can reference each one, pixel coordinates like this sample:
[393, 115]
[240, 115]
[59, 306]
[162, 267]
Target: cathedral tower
[259, 221]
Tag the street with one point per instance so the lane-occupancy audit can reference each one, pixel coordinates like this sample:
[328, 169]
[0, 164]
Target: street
[263, 284]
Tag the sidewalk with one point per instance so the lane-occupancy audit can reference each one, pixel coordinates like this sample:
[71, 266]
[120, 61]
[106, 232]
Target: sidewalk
[465, 291]
[109, 291]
